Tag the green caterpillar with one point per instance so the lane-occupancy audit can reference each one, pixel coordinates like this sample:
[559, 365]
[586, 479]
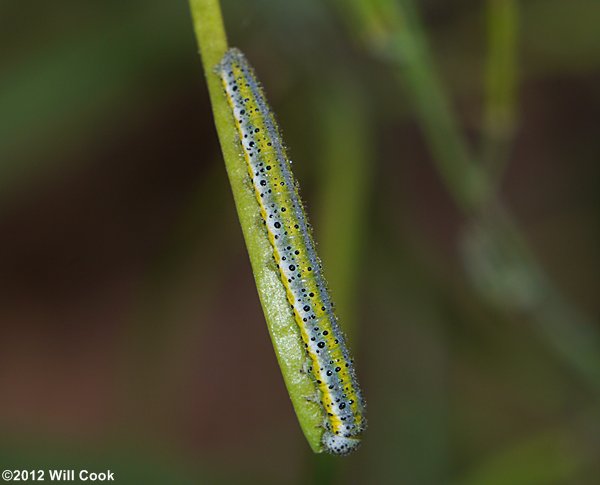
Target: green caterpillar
[294, 252]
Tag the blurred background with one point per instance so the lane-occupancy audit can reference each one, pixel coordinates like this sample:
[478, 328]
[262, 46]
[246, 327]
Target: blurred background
[131, 334]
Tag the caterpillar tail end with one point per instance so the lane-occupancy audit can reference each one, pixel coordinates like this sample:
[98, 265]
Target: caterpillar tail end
[339, 445]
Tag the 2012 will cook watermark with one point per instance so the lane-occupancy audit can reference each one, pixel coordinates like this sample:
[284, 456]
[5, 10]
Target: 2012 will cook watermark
[56, 475]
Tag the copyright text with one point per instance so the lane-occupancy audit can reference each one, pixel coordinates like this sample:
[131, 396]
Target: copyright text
[9, 475]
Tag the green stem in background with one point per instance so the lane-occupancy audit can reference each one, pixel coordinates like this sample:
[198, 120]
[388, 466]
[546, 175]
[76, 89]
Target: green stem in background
[287, 343]
[393, 32]
[500, 85]
[345, 179]
[461, 175]
[572, 336]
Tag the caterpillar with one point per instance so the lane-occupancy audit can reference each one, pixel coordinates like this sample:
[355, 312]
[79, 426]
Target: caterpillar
[289, 233]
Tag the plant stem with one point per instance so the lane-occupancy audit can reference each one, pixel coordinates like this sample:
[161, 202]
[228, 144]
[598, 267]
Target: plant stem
[285, 335]
[500, 83]
[392, 30]
[450, 152]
